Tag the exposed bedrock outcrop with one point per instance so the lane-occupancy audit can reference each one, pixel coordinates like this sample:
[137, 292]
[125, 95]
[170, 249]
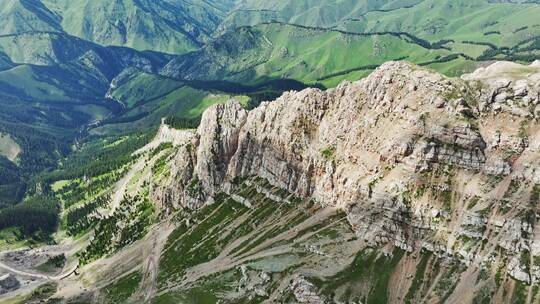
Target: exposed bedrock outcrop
[416, 159]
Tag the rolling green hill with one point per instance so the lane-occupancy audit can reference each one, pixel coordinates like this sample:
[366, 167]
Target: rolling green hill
[171, 26]
[312, 55]
[21, 16]
[61, 68]
[43, 48]
[503, 24]
[148, 97]
[291, 39]
[306, 12]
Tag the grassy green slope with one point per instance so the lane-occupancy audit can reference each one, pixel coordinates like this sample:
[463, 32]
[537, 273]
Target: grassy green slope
[134, 87]
[306, 12]
[458, 20]
[310, 55]
[170, 26]
[42, 48]
[319, 55]
[318, 41]
[18, 16]
[61, 68]
[48, 84]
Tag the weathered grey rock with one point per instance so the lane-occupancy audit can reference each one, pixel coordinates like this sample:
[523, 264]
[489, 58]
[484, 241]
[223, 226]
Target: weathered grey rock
[218, 140]
[497, 167]
[511, 87]
[8, 283]
[304, 291]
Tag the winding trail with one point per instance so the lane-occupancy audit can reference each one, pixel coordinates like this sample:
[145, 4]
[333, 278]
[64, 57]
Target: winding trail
[40, 276]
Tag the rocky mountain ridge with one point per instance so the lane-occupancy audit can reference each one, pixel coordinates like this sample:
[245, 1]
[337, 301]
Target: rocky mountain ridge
[417, 160]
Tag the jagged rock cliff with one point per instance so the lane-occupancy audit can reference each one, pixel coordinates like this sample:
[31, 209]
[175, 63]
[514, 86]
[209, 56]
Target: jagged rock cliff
[417, 160]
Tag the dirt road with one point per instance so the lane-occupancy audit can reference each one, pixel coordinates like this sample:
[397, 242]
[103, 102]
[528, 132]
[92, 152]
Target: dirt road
[122, 184]
[148, 287]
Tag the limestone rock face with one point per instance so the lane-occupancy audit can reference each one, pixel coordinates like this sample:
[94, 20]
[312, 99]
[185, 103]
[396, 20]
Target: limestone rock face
[218, 141]
[416, 159]
[509, 87]
[199, 166]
